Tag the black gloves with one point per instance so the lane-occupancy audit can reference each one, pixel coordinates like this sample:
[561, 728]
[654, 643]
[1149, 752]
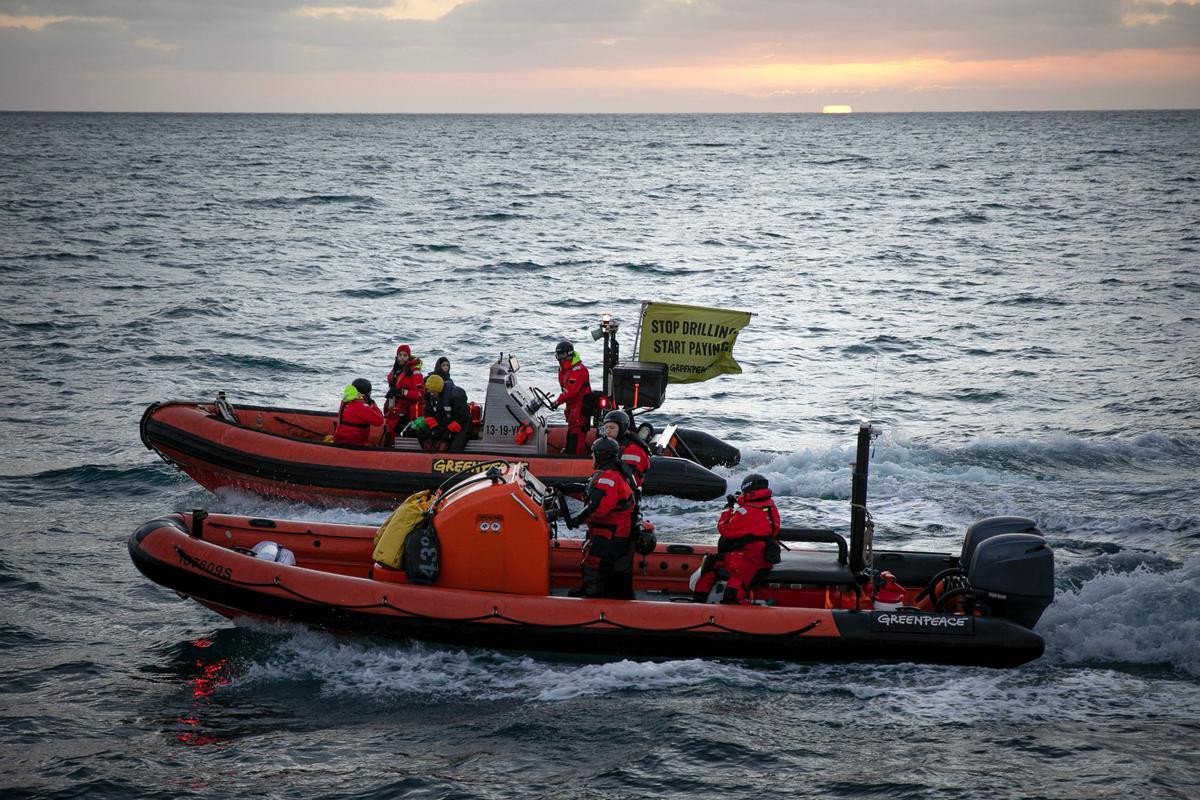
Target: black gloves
[730, 500]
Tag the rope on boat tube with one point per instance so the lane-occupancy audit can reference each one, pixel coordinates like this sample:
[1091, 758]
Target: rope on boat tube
[495, 613]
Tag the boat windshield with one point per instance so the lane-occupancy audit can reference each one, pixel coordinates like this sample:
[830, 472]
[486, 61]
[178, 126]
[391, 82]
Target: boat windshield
[532, 486]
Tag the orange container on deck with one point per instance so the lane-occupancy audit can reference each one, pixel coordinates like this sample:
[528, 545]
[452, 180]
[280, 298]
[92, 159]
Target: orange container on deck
[497, 542]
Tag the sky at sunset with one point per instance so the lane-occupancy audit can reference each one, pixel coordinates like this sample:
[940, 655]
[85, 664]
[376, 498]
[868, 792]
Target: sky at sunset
[598, 55]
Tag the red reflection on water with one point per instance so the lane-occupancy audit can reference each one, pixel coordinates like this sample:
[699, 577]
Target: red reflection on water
[212, 674]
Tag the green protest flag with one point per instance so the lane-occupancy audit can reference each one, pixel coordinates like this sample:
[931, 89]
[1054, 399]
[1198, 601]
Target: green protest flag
[695, 343]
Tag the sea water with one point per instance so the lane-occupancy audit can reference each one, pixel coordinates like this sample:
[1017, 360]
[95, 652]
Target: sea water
[1013, 298]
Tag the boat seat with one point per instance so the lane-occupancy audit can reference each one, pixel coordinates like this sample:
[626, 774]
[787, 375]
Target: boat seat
[809, 567]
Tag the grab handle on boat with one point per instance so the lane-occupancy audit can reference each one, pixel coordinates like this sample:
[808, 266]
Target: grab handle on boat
[198, 517]
[815, 535]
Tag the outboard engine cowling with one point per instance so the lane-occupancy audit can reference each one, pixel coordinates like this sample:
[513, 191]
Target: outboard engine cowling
[985, 529]
[1013, 573]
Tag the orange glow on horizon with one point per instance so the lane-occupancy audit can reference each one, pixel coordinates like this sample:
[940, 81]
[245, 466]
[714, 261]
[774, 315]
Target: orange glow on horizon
[889, 85]
[922, 74]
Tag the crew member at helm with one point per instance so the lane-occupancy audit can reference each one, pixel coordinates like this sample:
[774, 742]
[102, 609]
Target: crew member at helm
[356, 414]
[748, 545]
[406, 391]
[610, 510]
[446, 425]
[576, 385]
[634, 450]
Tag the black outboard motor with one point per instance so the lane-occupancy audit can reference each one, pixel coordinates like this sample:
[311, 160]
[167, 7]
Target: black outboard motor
[993, 526]
[1013, 574]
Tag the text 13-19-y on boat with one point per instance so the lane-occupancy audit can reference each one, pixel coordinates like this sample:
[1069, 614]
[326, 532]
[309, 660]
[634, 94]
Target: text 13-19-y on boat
[501, 581]
[281, 452]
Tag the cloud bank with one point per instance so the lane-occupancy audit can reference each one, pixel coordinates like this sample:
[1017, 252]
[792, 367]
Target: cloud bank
[581, 55]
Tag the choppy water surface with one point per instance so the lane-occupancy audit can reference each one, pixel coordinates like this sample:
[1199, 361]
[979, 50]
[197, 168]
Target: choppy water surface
[1015, 297]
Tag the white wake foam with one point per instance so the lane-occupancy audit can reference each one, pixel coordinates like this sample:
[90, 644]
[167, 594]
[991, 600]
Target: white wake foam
[1136, 617]
[343, 667]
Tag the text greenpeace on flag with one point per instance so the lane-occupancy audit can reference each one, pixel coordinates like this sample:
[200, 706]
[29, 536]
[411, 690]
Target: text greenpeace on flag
[695, 343]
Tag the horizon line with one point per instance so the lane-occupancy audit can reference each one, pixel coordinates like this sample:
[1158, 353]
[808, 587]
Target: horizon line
[816, 113]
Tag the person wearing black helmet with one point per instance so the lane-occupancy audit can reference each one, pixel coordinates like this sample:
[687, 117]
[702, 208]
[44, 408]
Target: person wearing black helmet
[356, 414]
[634, 450]
[748, 545]
[576, 386]
[609, 512]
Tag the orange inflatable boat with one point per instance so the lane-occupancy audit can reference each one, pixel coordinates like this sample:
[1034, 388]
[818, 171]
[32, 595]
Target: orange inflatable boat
[500, 578]
[282, 452]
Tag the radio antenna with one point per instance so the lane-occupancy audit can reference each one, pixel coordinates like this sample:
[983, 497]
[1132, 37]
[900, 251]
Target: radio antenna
[874, 384]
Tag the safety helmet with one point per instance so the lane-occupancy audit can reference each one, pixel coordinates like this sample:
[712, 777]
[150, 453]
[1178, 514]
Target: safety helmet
[754, 482]
[363, 385]
[604, 450]
[563, 350]
[434, 383]
[620, 417]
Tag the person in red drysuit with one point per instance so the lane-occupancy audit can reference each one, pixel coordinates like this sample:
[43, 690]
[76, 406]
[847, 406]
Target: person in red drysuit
[406, 391]
[356, 414]
[576, 385]
[610, 510]
[748, 545]
[634, 451]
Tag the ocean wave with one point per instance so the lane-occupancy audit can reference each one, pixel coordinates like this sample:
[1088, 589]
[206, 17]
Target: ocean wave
[1142, 617]
[375, 293]
[91, 480]
[439, 248]
[1026, 299]
[1146, 529]
[654, 268]
[41, 326]
[906, 695]
[519, 266]
[969, 217]
[311, 200]
[201, 307]
[498, 216]
[233, 361]
[59, 255]
[851, 159]
[1060, 449]
[881, 344]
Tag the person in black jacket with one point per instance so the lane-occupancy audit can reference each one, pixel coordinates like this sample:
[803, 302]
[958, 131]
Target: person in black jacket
[447, 422]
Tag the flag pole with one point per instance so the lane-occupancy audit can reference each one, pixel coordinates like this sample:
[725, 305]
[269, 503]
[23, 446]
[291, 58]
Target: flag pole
[637, 338]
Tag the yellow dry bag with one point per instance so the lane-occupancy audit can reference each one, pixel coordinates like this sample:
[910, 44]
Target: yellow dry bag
[389, 539]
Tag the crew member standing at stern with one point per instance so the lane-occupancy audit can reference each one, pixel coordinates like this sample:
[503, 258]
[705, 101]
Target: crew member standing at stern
[611, 507]
[576, 386]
